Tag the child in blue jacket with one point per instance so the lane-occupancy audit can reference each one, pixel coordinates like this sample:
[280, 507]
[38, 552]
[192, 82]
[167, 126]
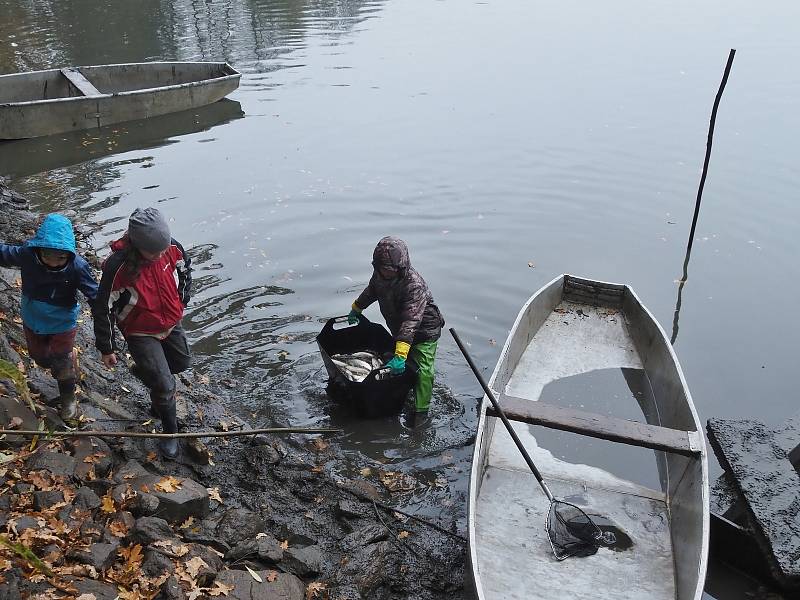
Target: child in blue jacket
[52, 274]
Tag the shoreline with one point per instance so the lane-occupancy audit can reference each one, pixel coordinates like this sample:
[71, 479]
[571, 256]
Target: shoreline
[264, 503]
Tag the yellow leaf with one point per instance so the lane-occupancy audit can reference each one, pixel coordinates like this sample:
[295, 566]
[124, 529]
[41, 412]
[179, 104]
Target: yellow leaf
[316, 589]
[145, 488]
[187, 523]
[151, 456]
[194, 594]
[366, 472]
[285, 544]
[108, 504]
[403, 535]
[213, 493]
[118, 529]
[254, 575]
[168, 484]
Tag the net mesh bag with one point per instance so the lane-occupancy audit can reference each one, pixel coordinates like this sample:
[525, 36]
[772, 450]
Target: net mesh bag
[573, 533]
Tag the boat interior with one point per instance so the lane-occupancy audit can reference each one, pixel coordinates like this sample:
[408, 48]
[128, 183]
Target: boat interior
[584, 367]
[108, 79]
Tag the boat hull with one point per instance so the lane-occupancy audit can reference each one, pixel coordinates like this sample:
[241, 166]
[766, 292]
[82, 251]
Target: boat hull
[114, 102]
[668, 522]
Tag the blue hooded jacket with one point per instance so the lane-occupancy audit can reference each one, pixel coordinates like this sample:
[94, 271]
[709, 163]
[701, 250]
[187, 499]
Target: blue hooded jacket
[49, 297]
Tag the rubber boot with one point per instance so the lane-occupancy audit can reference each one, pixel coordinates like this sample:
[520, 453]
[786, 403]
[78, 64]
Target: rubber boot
[169, 424]
[69, 405]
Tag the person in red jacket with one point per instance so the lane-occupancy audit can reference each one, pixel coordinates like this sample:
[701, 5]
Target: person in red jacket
[145, 286]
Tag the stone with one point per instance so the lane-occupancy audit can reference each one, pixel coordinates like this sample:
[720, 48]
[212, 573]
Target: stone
[98, 589]
[156, 564]
[100, 556]
[86, 499]
[345, 592]
[757, 457]
[285, 587]
[52, 554]
[144, 505]
[368, 534]
[26, 522]
[99, 486]
[54, 462]
[22, 487]
[172, 590]
[150, 529]
[44, 500]
[93, 457]
[91, 532]
[351, 509]
[265, 547]
[112, 407]
[370, 567]
[190, 500]
[303, 562]
[239, 524]
[123, 521]
[130, 470]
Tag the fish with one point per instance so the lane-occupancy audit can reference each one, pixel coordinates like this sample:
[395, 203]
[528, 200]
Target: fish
[357, 366]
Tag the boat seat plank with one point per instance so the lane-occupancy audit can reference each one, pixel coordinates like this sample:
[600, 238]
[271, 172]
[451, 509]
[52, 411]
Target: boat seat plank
[77, 79]
[599, 426]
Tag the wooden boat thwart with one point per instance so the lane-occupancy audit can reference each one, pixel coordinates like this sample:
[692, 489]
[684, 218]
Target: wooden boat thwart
[41, 103]
[572, 327]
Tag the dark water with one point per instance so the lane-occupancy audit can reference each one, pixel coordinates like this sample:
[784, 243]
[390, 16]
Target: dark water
[489, 135]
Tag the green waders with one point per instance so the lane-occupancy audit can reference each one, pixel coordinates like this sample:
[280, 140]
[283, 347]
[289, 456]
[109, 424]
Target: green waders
[424, 354]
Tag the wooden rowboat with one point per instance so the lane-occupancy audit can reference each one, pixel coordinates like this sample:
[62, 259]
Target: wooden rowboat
[40, 103]
[569, 330]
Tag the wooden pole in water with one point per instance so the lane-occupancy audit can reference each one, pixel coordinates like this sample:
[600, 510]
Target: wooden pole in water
[710, 140]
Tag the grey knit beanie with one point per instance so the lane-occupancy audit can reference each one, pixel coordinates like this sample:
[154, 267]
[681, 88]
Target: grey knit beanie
[148, 230]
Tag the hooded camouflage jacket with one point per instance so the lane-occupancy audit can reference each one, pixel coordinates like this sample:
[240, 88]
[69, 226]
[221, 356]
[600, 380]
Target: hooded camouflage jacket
[405, 301]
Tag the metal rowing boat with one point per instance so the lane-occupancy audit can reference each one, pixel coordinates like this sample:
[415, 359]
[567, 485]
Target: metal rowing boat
[38, 103]
[580, 332]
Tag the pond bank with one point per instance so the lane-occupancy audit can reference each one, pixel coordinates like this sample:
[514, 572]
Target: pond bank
[110, 518]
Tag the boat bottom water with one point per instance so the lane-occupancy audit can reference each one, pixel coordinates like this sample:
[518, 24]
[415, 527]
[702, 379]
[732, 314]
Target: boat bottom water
[511, 513]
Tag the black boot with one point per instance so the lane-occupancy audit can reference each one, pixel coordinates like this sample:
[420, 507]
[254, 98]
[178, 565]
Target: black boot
[169, 424]
[69, 405]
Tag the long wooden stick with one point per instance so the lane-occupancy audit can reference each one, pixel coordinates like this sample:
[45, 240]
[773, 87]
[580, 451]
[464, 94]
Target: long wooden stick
[144, 434]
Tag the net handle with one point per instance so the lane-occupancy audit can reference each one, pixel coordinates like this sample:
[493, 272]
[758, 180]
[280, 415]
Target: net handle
[502, 414]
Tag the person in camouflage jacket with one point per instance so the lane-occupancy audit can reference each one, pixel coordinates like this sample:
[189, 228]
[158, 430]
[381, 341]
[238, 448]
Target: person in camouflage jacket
[410, 312]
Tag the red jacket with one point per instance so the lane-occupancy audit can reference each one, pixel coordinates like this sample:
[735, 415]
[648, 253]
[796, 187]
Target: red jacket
[151, 302]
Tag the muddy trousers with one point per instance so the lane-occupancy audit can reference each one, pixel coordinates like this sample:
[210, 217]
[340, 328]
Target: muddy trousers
[157, 362]
[56, 353]
[424, 354]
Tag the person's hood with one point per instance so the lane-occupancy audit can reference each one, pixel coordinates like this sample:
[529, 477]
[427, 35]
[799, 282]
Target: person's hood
[121, 244]
[55, 233]
[391, 251]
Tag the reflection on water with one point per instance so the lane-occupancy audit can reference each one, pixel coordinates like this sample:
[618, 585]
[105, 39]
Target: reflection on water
[620, 393]
[28, 157]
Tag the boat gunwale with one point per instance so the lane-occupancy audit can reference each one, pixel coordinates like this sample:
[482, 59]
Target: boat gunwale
[477, 467]
[129, 93]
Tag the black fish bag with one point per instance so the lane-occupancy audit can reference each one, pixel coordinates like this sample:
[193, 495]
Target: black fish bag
[380, 394]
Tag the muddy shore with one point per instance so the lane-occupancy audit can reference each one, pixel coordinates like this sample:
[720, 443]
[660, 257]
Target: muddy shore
[106, 518]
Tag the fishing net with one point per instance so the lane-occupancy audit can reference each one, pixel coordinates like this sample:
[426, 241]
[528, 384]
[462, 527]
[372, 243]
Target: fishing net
[573, 533]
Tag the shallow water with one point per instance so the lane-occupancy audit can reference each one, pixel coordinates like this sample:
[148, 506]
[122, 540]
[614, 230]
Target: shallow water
[507, 142]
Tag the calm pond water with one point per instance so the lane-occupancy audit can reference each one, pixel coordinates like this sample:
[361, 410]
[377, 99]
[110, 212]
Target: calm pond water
[492, 137]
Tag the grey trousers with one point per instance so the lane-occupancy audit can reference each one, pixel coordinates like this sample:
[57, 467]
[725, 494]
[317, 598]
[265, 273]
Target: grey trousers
[157, 361]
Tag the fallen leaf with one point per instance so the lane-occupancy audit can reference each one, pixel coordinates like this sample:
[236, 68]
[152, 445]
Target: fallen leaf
[168, 484]
[213, 493]
[118, 529]
[108, 504]
[124, 389]
[187, 523]
[285, 544]
[366, 472]
[194, 594]
[151, 456]
[316, 590]
[14, 423]
[204, 379]
[403, 535]
[272, 576]
[220, 588]
[94, 458]
[194, 565]
[145, 488]
[255, 575]
[319, 444]
[86, 597]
